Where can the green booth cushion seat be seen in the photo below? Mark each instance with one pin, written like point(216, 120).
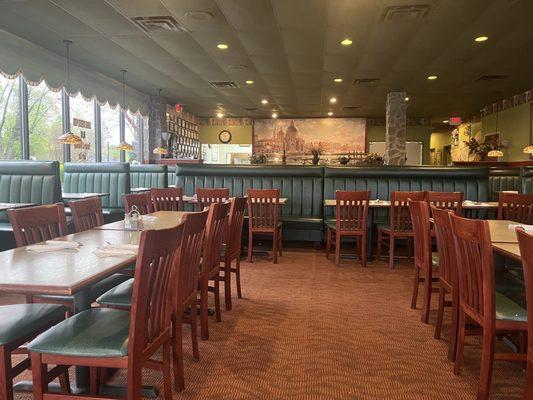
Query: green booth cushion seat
point(119, 296)
point(508, 310)
point(97, 332)
point(22, 320)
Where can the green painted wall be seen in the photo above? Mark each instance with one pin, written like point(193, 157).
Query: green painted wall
point(514, 124)
point(241, 134)
point(414, 134)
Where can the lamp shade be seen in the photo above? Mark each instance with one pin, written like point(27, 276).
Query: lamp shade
point(125, 146)
point(160, 151)
point(495, 153)
point(69, 138)
point(528, 149)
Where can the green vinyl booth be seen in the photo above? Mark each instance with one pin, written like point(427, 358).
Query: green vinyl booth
point(501, 179)
point(526, 180)
point(171, 174)
point(112, 178)
point(26, 182)
point(148, 176)
point(302, 186)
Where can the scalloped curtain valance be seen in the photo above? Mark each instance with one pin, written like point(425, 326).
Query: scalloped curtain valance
point(21, 57)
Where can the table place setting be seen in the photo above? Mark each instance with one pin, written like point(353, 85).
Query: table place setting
point(527, 228)
point(54, 245)
point(117, 250)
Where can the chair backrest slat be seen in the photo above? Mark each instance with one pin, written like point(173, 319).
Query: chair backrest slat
point(143, 202)
point(445, 246)
point(206, 197)
point(351, 210)
point(167, 199)
point(235, 223)
point(263, 208)
point(516, 207)
point(36, 224)
point(400, 216)
point(422, 234)
point(87, 214)
point(214, 236)
point(446, 201)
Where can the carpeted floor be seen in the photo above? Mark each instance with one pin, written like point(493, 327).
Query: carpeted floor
point(308, 330)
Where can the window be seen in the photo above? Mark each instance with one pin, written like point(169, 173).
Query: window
point(110, 133)
point(82, 124)
point(10, 148)
point(133, 136)
point(45, 123)
point(145, 138)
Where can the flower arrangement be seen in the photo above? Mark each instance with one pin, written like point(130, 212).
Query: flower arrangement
point(371, 160)
point(481, 149)
point(260, 158)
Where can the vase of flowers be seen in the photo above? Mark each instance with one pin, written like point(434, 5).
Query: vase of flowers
point(371, 160)
point(316, 152)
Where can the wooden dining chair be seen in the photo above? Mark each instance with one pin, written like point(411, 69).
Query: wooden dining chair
point(210, 268)
point(351, 215)
point(479, 302)
point(525, 242)
point(400, 225)
point(425, 271)
point(516, 207)
point(448, 286)
point(446, 201)
point(109, 338)
point(263, 219)
point(143, 202)
point(20, 323)
point(232, 248)
point(167, 199)
point(186, 284)
point(205, 197)
point(87, 214)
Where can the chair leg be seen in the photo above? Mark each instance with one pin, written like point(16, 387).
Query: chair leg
point(39, 372)
point(194, 334)
point(528, 387)
point(454, 329)
point(134, 383)
point(177, 351)
point(250, 245)
point(64, 382)
point(363, 251)
point(275, 246)
point(427, 296)
point(409, 249)
point(204, 323)
point(440, 312)
point(238, 277)
point(378, 250)
point(217, 301)
point(391, 251)
point(167, 379)
point(460, 344)
point(6, 380)
point(337, 249)
point(227, 284)
point(487, 360)
point(93, 381)
point(328, 242)
point(280, 241)
point(414, 297)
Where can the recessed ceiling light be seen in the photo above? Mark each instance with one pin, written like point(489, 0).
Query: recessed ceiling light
point(406, 99)
point(432, 77)
point(249, 82)
point(264, 101)
point(220, 115)
point(337, 80)
point(346, 42)
point(446, 121)
point(480, 39)
point(274, 115)
point(333, 100)
point(222, 46)
point(330, 113)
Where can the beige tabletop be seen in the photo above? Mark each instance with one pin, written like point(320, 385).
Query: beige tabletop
point(156, 220)
point(501, 232)
point(63, 272)
point(373, 203)
point(511, 250)
point(139, 190)
point(194, 200)
point(469, 205)
point(10, 206)
point(82, 196)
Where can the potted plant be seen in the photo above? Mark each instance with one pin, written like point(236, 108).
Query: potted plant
point(316, 151)
point(371, 160)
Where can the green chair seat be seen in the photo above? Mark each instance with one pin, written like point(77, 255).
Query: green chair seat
point(22, 320)
point(119, 296)
point(97, 332)
point(507, 309)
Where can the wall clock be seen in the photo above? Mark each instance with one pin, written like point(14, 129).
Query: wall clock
point(224, 136)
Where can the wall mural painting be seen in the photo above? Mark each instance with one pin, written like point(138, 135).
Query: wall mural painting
point(299, 137)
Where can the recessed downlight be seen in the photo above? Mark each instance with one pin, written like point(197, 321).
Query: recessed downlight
point(264, 101)
point(481, 39)
point(432, 77)
point(333, 100)
point(337, 80)
point(446, 121)
point(330, 113)
point(249, 82)
point(222, 46)
point(274, 115)
point(220, 115)
point(346, 42)
point(406, 98)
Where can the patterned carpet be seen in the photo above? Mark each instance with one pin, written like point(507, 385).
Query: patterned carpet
point(308, 330)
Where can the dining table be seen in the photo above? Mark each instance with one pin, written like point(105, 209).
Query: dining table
point(82, 196)
point(11, 206)
point(155, 220)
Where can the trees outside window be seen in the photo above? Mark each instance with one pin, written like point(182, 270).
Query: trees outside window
point(10, 148)
point(110, 133)
point(133, 136)
point(82, 124)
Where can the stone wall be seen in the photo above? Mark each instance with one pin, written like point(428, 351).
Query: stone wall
point(395, 135)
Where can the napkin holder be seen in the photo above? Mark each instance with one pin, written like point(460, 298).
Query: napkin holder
point(133, 220)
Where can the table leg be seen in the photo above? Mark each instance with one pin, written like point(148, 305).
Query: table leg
point(82, 302)
point(370, 234)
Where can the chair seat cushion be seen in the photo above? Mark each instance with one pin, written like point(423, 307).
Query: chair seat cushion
point(18, 321)
point(119, 296)
point(5, 226)
point(508, 310)
point(97, 332)
point(301, 223)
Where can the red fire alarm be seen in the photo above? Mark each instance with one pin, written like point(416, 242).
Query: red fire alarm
point(456, 120)
point(178, 107)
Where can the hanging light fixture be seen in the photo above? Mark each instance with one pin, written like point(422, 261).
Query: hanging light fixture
point(528, 149)
point(495, 153)
point(162, 151)
point(124, 146)
point(68, 137)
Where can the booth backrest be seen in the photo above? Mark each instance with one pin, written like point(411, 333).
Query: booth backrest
point(29, 182)
point(171, 174)
point(503, 179)
point(148, 176)
point(112, 178)
point(526, 180)
point(303, 186)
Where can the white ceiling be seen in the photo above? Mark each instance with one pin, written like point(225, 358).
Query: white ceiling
point(291, 49)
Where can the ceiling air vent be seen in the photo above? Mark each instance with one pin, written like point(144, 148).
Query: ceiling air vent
point(250, 109)
point(490, 78)
point(405, 13)
point(362, 81)
point(223, 85)
point(164, 23)
point(350, 108)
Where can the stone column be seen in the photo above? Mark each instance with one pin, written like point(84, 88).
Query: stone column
point(156, 124)
point(395, 132)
